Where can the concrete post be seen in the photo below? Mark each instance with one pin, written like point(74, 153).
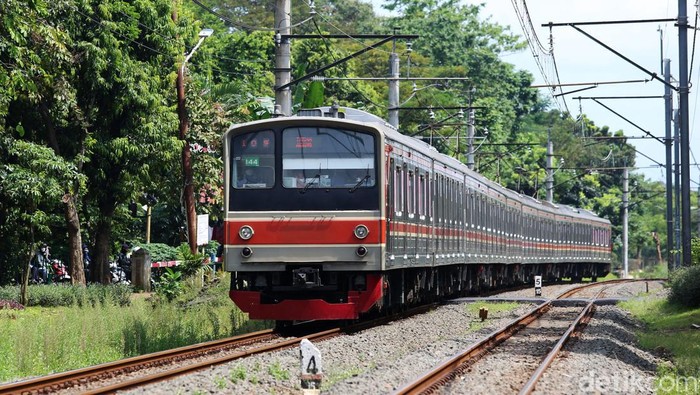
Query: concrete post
point(141, 270)
point(283, 67)
point(394, 90)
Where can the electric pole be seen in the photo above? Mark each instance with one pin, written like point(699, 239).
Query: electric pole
point(625, 221)
point(283, 67)
point(394, 88)
point(549, 182)
point(683, 89)
point(669, 159)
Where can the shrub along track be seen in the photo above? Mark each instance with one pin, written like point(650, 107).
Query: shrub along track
point(509, 357)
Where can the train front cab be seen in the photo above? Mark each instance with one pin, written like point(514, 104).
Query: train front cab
point(304, 239)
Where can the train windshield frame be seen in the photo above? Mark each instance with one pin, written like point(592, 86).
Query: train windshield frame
point(304, 167)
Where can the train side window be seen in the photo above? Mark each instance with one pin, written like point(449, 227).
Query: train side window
point(398, 190)
point(410, 194)
point(422, 192)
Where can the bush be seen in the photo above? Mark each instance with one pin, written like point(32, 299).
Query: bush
point(53, 296)
point(685, 286)
point(160, 252)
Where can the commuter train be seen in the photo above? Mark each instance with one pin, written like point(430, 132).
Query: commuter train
point(332, 214)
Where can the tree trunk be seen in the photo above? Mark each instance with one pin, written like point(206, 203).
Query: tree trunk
point(658, 245)
point(75, 245)
point(103, 235)
point(24, 286)
point(75, 242)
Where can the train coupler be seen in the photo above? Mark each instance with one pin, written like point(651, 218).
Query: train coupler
point(307, 277)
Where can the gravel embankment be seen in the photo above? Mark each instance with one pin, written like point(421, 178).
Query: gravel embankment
point(603, 360)
point(377, 361)
point(383, 359)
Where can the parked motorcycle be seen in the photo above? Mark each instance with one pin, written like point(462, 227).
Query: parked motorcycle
point(117, 274)
point(59, 271)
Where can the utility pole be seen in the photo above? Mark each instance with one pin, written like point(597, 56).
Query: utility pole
point(669, 165)
point(470, 139)
point(283, 65)
point(549, 182)
point(470, 132)
point(677, 190)
point(625, 221)
point(394, 88)
point(685, 135)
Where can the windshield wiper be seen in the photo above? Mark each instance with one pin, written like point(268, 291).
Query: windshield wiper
point(364, 179)
point(311, 182)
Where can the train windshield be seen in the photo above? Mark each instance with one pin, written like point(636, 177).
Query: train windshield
point(322, 157)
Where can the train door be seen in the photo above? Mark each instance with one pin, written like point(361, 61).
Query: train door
point(398, 224)
point(423, 198)
point(440, 214)
point(411, 217)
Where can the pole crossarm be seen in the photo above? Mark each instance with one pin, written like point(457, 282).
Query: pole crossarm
point(630, 122)
point(589, 83)
point(551, 24)
point(320, 78)
point(616, 97)
point(337, 62)
point(439, 108)
point(352, 36)
point(616, 138)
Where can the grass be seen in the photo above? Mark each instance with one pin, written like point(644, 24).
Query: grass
point(668, 331)
point(39, 340)
point(656, 271)
point(492, 307)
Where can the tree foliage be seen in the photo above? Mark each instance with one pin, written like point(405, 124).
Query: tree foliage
point(88, 117)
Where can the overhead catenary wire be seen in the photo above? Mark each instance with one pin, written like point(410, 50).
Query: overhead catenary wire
point(540, 54)
point(243, 25)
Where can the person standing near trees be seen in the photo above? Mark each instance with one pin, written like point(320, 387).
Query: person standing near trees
point(40, 264)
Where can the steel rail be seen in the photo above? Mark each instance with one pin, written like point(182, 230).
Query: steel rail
point(75, 377)
point(585, 315)
point(141, 381)
point(446, 371)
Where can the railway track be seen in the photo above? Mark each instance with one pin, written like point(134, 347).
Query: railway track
point(92, 376)
point(114, 376)
point(445, 373)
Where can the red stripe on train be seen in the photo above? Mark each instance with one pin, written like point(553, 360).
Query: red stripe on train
point(305, 231)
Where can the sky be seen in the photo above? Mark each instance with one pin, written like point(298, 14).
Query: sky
point(579, 59)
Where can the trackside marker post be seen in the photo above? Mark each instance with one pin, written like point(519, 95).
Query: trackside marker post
point(538, 285)
point(311, 367)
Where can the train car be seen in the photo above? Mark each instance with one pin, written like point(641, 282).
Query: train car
point(333, 214)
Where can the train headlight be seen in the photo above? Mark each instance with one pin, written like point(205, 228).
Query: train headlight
point(246, 232)
point(361, 251)
point(361, 231)
point(246, 252)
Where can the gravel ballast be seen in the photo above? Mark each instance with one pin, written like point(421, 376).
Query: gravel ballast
point(381, 360)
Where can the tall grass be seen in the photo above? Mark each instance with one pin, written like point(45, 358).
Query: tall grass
point(668, 330)
point(40, 340)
